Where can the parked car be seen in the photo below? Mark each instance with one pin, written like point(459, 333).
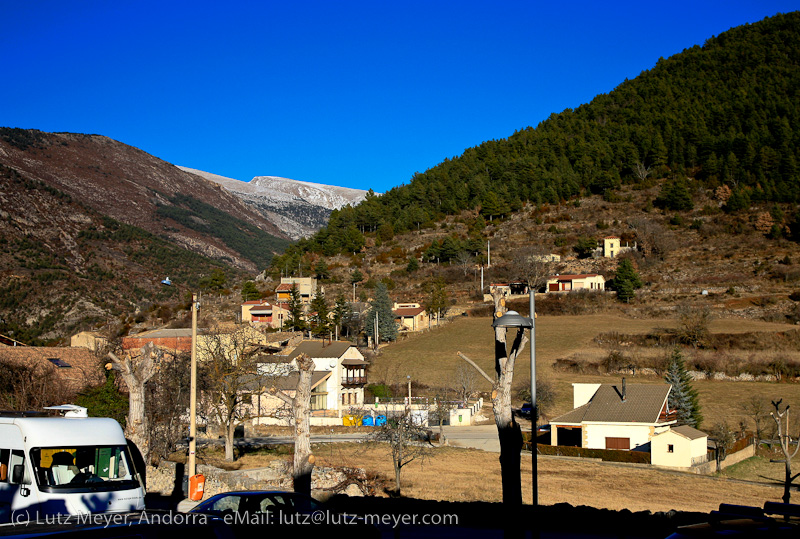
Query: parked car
point(248, 511)
point(526, 410)
point(257, 502)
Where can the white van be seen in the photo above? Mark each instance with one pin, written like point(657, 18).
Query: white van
point(64, 465)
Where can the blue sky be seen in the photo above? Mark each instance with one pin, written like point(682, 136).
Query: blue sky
point(357, 94)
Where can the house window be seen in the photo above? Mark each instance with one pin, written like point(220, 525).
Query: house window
point(59, 362)
point(618, 443)
point(670, 448)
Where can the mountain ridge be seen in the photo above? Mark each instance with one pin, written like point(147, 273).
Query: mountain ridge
point(299, 208)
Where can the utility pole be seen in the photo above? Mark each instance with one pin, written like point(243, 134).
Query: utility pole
point(193, 393)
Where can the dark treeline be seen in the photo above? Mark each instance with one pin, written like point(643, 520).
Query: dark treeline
point(725, 113)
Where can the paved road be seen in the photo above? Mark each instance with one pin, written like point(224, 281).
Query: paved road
point(482, 437)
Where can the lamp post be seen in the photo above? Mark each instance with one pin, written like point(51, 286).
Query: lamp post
point(512, 319)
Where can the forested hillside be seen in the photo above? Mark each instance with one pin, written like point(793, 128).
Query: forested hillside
point(725, 114)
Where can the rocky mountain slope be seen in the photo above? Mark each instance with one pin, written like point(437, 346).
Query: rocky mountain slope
point(135, 188)
point(89, 227)
point(298, 208)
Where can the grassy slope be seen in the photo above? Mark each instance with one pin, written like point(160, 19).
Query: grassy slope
point(430, 358)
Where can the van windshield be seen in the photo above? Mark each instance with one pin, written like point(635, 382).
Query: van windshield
point(83, 468)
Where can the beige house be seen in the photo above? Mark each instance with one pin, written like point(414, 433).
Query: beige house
point(614, 416)
point(572, 283)
point(679, 447)
point(306, 286)
point(612, 247)
point(89, 340)
point(263, 312)
point(410, 316)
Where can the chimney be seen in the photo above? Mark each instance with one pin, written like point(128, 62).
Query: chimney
point(623, 389)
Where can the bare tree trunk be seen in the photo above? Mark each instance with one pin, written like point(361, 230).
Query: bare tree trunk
point(301, 408)
point(229, 432)
point(135, 372)
point(508, 430)
point(785, 440)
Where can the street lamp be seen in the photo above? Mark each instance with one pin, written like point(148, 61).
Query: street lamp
point(512, 319)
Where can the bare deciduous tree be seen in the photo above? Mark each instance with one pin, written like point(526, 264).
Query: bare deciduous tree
point(228, 375)
point(693, 324)
point(786, 443)
point(136, 371)
point(641, 171)
point(465, 261)
point(508, 429)
point(757, 409)
point(170, 388)
point(533, 264)
point(31, 387)
point(654, 240)
point(465, 382)
point(303, 463)
point(408, 441)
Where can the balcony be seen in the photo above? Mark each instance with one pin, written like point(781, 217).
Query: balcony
point(354, 380)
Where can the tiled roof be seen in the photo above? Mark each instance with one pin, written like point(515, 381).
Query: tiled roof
point(84, 368)
point(163, 334)
point(643, 404)
point(573, 277)
point(320, 349)
point(284, 286)
point(409, 311)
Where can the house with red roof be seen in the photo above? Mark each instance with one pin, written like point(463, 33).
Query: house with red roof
point(263, 312)
point(574, 282)
point(411, 316)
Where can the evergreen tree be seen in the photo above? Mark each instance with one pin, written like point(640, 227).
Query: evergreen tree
point(682, 396)
point(413, 265)
point(250, 291)
point(585, 246)
point(342, 311)
point(437, 301)
point(675, 196)
point(356, 276)
point(321, 269)
point(381, 307)
point(320, 323)
point(295, 321)
point(626, 281)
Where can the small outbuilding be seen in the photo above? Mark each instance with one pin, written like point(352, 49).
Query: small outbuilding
point(679, 447)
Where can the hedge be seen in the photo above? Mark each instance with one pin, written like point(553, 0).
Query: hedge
point(609, 455)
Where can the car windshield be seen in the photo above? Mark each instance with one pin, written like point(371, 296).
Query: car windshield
point(83, 467)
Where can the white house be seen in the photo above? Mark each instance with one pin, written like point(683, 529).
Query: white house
point(573, 282)
point(613, 416)
point(338, 381)
point(679, 447)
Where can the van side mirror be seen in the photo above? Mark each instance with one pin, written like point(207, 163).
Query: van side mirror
point(18, 475)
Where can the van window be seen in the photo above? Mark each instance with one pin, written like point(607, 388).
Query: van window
point(92, 467)
point(4, 454)
point(18, 472)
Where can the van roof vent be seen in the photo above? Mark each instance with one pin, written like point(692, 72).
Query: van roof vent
point(70, 410)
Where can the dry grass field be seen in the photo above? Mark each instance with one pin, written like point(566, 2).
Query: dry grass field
point(430, 358)
point(455, 474)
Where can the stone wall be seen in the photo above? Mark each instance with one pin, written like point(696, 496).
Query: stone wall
point(277, 476)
